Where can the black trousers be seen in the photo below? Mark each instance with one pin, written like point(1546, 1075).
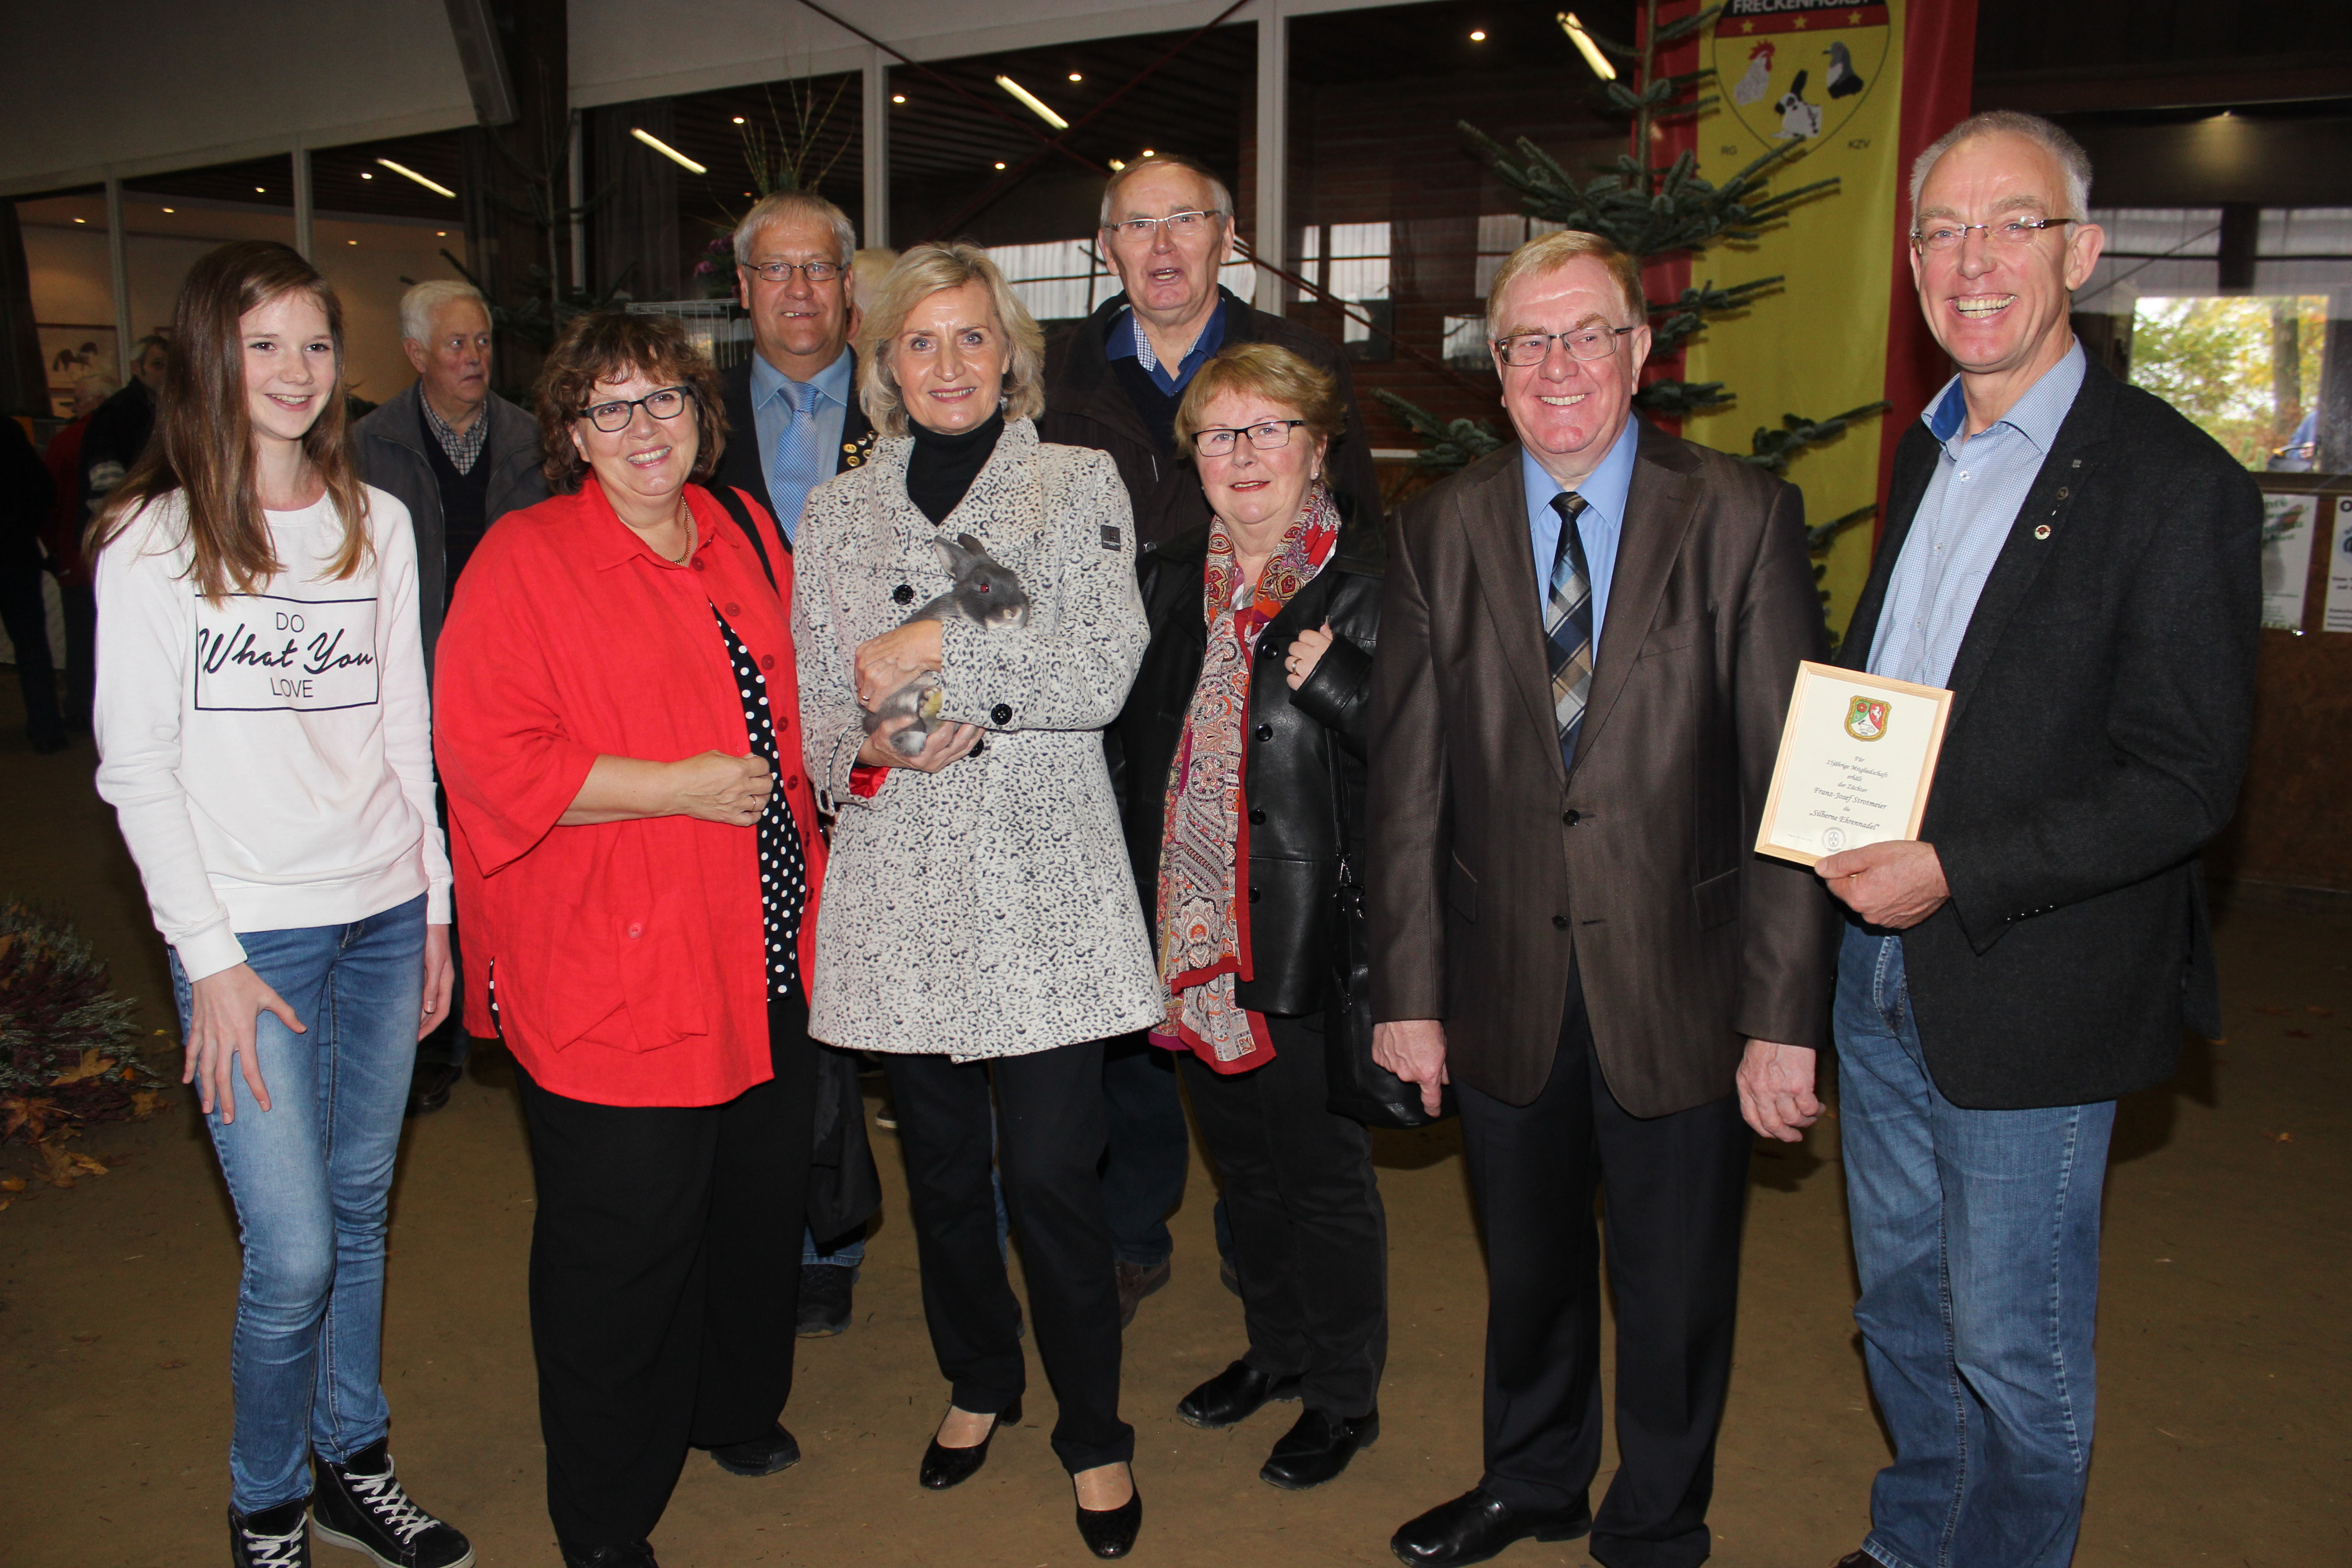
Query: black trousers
point(1674, 1190)
point(26, 616)
point(665, 1283)
point(79, 602)
point(1048, 1146)
point(1310, 1237)
point(1146, 1150)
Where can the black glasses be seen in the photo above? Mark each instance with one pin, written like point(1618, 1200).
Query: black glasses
point(2019, 231)
point(781, 272)
point(613, 418)
point(1264, 437)
point(1524, 349)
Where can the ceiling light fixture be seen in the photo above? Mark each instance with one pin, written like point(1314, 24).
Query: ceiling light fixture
point(365, 175)
point(437, 188)
point(666, 151)
point(81, 220)
point(1147, 152)
point(1077, 77)
point(1479, 37)
point(1036, 105)
point(171, 209)
point(999, 163)
point(738, 120)
point(898, 98)
point(440, 233)
point(260, 191)
point(351, 242)
point(1116, 164)
point(1586, 46)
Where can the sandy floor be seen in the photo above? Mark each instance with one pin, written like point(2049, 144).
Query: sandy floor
point(2222, 1438)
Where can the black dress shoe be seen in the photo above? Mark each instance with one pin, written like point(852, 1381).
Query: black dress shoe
point(1111, 1532)
point(1475, 1527)
point(1137, 1281)
point(1317, 1448)
point(1859, 1560)
point(763, 1455)
point(428, 1090)
point(944, 1468)
point(824, 1300)
point(630, 1554)
point(1234, 1394)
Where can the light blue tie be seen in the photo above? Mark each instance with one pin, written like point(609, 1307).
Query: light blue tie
point(798, 466)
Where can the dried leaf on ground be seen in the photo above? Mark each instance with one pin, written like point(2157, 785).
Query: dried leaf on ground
point(84, 1162)
point(13, 1184)
point(60, 1165)
point(92, 1065)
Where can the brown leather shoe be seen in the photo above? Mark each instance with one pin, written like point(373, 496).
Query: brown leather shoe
point(1137, 1281)
point(1859, 1560)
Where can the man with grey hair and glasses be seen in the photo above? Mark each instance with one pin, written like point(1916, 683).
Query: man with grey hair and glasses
point(1112, 382)
point(2080, 566)
point(792, 415)
point(459, 457)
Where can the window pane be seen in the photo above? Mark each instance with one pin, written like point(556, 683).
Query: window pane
point(2246, 370)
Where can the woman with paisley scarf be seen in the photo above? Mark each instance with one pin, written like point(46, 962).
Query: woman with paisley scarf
point(1240, 765)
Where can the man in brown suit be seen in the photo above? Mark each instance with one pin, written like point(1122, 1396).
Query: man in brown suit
point(1587, 647)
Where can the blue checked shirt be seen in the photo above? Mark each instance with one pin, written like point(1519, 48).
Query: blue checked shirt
point(1600, 525)
point(1963, 519)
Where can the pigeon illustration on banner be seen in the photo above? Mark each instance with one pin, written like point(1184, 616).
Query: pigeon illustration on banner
point(1844, 81)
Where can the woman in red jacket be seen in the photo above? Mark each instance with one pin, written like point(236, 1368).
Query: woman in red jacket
point(638, 880)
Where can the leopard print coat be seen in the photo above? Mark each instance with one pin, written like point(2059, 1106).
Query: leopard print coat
point(986, 909)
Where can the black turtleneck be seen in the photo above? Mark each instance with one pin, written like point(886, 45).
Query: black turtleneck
point(943, 465)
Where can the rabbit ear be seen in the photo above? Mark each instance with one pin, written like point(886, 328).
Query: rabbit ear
point(968, 542)
point(949, 556)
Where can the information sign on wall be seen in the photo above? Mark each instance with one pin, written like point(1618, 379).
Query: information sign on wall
point(2288, 524)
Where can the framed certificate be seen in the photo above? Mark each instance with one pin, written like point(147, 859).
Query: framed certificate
point(1857, 758)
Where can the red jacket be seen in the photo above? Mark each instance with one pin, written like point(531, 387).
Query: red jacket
point(628, 956)
point(66, 519)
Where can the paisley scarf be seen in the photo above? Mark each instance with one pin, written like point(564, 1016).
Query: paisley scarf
point(1204, 924)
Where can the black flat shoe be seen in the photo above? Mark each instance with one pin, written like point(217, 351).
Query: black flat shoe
point(629, 1555)
point(1234, 1394)
point(1475, 1527)
point(1317, 1448)
point(1111, 1532)
point(944, 1468)
point(760, 1457)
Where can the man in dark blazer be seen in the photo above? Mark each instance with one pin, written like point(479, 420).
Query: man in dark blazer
point(792, 415)
point(793, 422)
point(459, 458)
point(2080, 566)
point(1586, 648)
point(1113, 383)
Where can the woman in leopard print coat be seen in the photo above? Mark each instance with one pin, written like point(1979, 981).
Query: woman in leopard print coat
point(979, 921)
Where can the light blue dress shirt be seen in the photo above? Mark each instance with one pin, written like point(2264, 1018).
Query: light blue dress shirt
point(1963, 519)
point(772, 402)
point(1601, 524)
point(1127, 342)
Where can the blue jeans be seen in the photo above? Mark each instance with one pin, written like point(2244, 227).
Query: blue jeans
point(310, 1178)
point(848, 1252)
point(1977, 1235)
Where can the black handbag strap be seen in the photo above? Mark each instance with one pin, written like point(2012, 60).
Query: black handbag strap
point(738, 508)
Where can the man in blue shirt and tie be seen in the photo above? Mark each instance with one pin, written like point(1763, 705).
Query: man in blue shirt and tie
point(793, 419)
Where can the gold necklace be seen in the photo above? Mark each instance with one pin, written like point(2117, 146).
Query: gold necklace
point(686, 521)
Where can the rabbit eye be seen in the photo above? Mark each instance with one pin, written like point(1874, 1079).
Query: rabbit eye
point(983, 587)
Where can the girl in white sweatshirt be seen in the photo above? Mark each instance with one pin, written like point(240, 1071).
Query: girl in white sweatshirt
point(264, 741)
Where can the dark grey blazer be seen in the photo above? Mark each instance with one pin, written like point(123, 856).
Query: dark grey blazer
point(1492, 875)
point(389, 446)
point(2103, 701)
point(739, 459)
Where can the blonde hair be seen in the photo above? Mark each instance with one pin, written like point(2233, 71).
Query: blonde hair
point(1551, 252)
point(1272, 371)
point(922, 272)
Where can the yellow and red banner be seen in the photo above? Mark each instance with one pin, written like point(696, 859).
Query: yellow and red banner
point(1861, 89)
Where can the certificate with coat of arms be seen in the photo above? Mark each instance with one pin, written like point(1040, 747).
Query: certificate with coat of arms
point(1857, 759)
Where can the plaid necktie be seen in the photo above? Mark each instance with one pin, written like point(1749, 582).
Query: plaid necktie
point(798, 466)
point(1568, 626)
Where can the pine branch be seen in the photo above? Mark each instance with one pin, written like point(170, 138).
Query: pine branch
point(1771, 449)
point(1451, 444)
point(1681, 399)
point(1818, 538)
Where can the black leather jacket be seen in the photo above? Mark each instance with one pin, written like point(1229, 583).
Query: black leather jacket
point(1303, 781)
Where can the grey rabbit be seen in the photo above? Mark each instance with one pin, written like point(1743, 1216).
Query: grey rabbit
point(989, 594)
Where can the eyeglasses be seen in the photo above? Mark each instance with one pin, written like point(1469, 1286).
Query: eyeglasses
point(1526, 349)
point(614, 417)
point(1266, 438)
point(1180, 225)
point(781, 272)
point(2015, 231)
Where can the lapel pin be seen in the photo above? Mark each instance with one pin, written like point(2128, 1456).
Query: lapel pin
point(2042, 532)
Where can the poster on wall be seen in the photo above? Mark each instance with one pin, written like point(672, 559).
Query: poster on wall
point(2340, 570)
point(2288, 523)
point(71, 354)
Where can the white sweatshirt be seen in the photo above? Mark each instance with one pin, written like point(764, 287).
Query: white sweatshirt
point(269, 757)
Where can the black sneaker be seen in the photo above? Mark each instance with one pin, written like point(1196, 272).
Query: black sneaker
point(273, 1537)
point(361, 1506)
point(824, 1300)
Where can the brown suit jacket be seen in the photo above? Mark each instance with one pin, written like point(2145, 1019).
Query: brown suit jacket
point(1492, 875)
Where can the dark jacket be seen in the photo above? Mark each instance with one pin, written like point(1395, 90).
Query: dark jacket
point(2103, 700)
point(117, 433)
point(389, 446)
point(28, 496)
point(1495, 876)
point(739, 460)
point(1304, 777)
point(1087, 406)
